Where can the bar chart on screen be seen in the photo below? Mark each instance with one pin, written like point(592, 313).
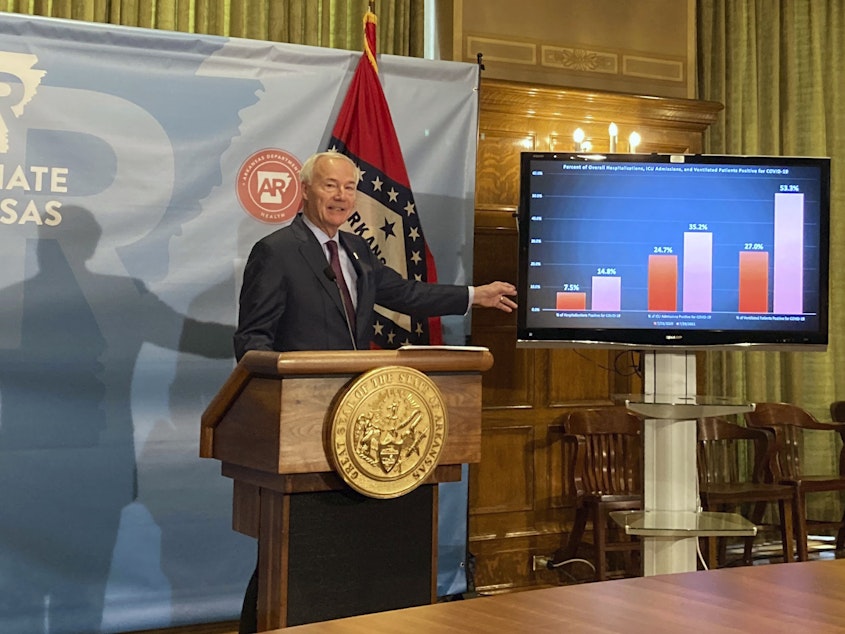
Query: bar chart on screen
point(727, 265)
point(680, 250)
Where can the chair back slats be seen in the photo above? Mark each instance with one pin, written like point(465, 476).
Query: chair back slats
point(609, 451)
point(608, 469)
point(728, 453)
point(735, 471)
point(788, 423)
point(789, 451)
point(718, 462)
point(605, 475)
point(837, 415)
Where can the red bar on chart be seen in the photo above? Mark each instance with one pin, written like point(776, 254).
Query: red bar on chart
point(607, 293)
point(697, 290)
point(753, 281)
point(571, 301)
point(788, 270)
point(663, 282)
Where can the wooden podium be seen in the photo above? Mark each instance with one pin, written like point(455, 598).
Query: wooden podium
point(267, 427)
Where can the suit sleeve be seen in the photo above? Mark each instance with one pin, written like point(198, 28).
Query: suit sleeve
point(419, 298)
point(262, 301)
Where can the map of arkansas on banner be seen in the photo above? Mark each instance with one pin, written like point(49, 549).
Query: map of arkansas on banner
point(137, 168)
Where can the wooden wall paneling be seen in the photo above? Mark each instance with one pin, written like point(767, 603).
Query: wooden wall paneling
point(627, 376)
point(523, 509)
point(512, 380)
point(497, 168)
point(554, 113)
point(558, 457)
point(653, 139)
point(508, 451)
point(496, 252)
point(502, 565)
point(509, 382)
point(520, 504)
point(582, 376)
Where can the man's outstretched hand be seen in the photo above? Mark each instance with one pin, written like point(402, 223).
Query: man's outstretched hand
point(495, 295)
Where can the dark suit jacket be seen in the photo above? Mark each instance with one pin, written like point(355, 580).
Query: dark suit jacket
point(289, 303)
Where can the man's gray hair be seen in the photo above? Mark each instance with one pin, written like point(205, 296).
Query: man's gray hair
point(307, 171)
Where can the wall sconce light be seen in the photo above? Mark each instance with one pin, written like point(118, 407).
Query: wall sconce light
point(583, 144)
point(578, 136)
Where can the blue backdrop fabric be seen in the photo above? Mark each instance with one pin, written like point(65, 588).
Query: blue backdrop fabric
point(122, 244)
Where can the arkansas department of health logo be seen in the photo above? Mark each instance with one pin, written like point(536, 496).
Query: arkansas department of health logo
point(268, 186)
point(387, 431)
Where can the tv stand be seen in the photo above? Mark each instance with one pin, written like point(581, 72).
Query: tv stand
point(672, 521)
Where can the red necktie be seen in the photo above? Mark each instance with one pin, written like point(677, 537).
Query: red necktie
point(334, 260)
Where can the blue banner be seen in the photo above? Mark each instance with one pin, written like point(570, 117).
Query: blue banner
point(137, 168)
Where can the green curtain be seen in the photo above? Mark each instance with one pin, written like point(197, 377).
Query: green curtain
point(777, 68)
point(329, 23)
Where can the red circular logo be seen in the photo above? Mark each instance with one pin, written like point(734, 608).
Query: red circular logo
point(268, 186)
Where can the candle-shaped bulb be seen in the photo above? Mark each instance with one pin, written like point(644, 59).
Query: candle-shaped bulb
point(613, 131)
point(578, 136)
point(633, 141)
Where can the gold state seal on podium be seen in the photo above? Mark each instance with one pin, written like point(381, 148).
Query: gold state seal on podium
point(387, 431)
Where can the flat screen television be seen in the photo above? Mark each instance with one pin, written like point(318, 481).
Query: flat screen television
point(661, 251)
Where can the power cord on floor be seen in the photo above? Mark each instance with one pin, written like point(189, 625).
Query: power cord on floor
point(699, 509)
point(554, 565)
point(559, 567)
point(700, 554)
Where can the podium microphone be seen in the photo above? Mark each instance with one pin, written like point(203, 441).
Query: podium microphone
point(329, 273)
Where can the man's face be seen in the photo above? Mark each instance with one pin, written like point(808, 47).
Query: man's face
point(330, 196)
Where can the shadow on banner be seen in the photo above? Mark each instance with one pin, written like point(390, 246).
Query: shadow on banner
point(67, 455)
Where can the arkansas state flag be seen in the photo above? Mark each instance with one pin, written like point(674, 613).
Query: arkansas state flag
point(387, 216)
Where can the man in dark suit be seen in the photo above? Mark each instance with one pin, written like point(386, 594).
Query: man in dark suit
point(293, 294)
point(291, 299)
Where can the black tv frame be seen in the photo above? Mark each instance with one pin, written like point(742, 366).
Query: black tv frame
point(534, 323)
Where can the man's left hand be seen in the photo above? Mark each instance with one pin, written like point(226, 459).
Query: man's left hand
point(496, 295)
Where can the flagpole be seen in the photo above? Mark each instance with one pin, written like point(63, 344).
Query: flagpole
point(364, 130)
point(478, 57)
point(479, 60)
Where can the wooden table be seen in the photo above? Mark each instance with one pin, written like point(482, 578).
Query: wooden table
point(793, 598)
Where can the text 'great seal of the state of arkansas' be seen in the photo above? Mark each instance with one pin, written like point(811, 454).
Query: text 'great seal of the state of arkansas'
point(387, 431)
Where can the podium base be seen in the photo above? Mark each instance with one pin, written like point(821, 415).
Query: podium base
point(350, 554)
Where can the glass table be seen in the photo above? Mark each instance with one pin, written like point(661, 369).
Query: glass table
point(672, 519)
point(679, 407)
point(683, 524)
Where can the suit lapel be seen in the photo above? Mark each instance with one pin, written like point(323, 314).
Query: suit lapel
point(312, 252)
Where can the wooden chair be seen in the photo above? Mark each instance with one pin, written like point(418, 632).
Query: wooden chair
point(605, 475)
point(788, 423)
point(724, 487)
